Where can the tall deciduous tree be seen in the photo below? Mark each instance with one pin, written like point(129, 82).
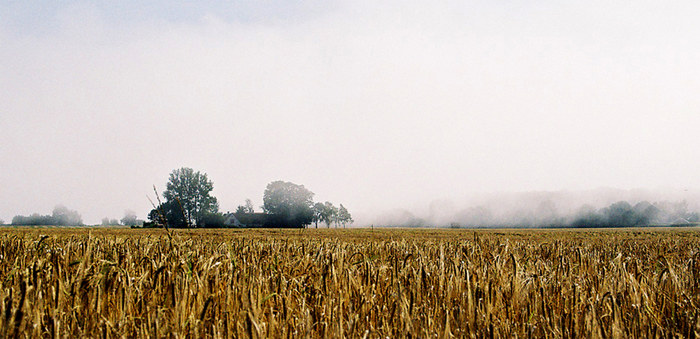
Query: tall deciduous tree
point(318, 210)
point(290, 202)
point(247, 208)
point(330, 214)
point(344, 216)
point(130, 218)
point(188, 197)
point(66, 217)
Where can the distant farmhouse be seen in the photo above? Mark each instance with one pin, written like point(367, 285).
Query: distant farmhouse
point(252, 220)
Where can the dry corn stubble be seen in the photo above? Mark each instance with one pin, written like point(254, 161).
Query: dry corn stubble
point(349, 283)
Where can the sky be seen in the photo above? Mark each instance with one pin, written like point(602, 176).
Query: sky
point(376, 105)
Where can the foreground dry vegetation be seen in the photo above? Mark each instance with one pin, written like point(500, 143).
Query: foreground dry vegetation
point(354, 283)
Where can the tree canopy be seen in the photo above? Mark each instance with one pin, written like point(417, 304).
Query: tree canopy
point(247, 208)
point(319, 210)
point(291, 203)
point(344, 216)
point(130, 219)
point(188, 199)
point(329, 214)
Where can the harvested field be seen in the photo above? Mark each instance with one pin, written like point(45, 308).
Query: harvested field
point(349, 283)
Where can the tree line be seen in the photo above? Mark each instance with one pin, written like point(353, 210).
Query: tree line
point(329, 214)
point(61, 216)
point(623, 214)
point(618, 214)
point(129, 219)
point(188, 202)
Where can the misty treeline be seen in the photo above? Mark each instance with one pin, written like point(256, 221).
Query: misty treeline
point(623, 214)
point(546, 214)
point(61, 216)
point(293, 206)
point(129, 219)
point(329, 214)
point(188, 202)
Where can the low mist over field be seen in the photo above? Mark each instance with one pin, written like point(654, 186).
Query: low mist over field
point(549, 209)
point(407, 112)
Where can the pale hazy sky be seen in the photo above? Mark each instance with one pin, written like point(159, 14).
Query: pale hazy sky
point(376, 105)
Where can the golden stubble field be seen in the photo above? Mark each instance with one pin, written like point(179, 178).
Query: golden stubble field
point(106, 283)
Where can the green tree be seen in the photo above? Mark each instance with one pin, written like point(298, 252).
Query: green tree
point(247, 208)
point(65, 217)
point(290, 202)
point(130, 219)
point(188, 199)
point(344, 216)
point(318, 210)
point(168, 213)
point(330, 214)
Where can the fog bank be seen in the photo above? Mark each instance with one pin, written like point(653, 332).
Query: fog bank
point(546, 209)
